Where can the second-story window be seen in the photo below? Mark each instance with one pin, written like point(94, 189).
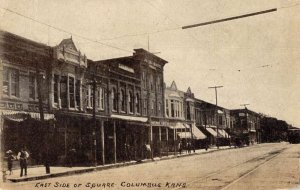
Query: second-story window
point(100, 98)
point(55, 88)
point(167, 107)
point(77, 93)
point(137, 103)
point(63, 91)
point(145, 106)
point(144, 79)
point(123, 100)
point(72, 92)
point(151, 82)
point(32, 86)
point(10, 82)
point(172, 108)
point(130, 102)
point(114, 99)
point(89, 97)
point(158, 84)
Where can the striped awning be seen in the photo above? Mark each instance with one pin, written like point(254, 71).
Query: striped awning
point(184, 135)
point(19, 116)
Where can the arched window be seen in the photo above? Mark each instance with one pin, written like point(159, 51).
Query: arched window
point(131, 102)
point(114, 99)
point(123, 100)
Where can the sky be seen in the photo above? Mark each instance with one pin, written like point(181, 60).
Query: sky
point(255, 59)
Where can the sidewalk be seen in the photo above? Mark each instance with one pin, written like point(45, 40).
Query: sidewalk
point(37, 173)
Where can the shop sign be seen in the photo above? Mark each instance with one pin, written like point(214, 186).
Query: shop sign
point(159, 123)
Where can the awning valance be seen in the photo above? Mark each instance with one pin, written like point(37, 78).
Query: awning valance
point(178, 125)
point(197, 133)
point(185, 135)
point(130, 118)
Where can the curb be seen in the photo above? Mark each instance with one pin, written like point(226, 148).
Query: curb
point(106, 167)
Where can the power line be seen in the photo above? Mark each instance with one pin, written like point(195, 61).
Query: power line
point(161, 12)
point(228, 19)
point(65, 31)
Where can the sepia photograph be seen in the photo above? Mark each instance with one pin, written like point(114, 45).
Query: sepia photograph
point(149, 94)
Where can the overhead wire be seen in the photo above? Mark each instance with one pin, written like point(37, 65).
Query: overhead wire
point(65, 31)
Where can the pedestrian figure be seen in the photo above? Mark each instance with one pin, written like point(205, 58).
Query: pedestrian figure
point(10, 158)
point(206, 144)
point(22, 157)
point(189, 147)
point(179, 147)
point(147, 148)
point(72, 156)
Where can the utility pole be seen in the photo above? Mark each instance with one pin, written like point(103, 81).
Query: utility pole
point(216, 112)
point(42, 118)
point(94, 88)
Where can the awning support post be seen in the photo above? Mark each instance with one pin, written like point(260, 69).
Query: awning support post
point(115, 143)
point(102, 142)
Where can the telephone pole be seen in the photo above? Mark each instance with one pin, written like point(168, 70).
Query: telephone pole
point(216, 112)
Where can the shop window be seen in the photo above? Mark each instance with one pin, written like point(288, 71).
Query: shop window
point(32, 85)
point(55, 88)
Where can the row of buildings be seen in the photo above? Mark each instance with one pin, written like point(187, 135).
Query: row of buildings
point(55, 99)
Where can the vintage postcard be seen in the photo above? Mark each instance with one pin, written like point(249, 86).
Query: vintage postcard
point(149, 94)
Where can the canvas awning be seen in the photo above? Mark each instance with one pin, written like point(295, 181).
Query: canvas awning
point(212, 132)
point(197, 133)
point(130, 118)
point(223, 133)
